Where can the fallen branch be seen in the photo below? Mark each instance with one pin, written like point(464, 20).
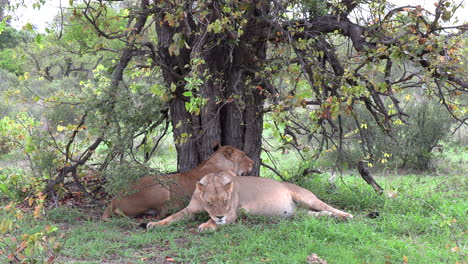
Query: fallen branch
point(64, 171)
point(366, 175)
point(310, 171)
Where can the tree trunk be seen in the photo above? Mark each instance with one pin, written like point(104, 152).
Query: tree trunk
point(233, 110)
point(173, 72)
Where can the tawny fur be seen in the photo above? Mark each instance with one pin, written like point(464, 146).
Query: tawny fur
point(156, 194)
point(222, 195)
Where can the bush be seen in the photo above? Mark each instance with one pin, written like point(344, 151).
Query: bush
point(14, 184)
point(411, 145)
point(32, 157)
point(22, 240)
point(429, 126)
point(10, 61)
point(121, 176)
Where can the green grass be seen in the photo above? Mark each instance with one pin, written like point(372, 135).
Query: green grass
point(424, 223)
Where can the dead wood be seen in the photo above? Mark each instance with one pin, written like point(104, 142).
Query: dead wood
point(366, 175)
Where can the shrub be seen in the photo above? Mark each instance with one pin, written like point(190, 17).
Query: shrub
point(121, 176)
point(430, 124)
point(14, 184)
point(22, 241)
point(410, 145)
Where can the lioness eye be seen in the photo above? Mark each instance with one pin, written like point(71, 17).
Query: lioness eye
point(224, 201)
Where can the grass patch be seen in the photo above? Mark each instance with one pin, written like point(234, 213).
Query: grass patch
point(65, 215)
point(424, 223)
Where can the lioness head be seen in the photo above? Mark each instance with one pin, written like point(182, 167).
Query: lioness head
point(230, 158)
point(215, 195)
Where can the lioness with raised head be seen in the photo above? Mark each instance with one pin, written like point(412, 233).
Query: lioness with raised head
point(155, 194)
point(222, 195)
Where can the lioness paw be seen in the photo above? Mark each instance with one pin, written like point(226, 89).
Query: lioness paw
point(344, 216)
point(348, 216)
point(207, 226)
point(320, 214)
point(151, 225)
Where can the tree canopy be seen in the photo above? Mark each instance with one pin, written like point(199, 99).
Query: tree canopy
point(123, 74)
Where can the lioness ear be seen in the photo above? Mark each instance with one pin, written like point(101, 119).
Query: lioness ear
point(228, 186)
point(216, 146)
point(201, 184)
point(225, 177)
point(201, 187)
point(228, 152)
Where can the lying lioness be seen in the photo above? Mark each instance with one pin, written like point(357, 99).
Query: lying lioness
point(222, 195)
point(155, 194)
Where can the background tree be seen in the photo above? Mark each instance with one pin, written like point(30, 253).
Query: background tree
point(3, 7)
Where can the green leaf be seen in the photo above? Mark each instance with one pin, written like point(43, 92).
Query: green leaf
point(38, 39)
point(2, 26)
point(4, 189)
point(446, 15)
point(28, 27)
point(216, 27)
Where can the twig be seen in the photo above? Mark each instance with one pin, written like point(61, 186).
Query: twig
point(78, 183)
point(273, 170)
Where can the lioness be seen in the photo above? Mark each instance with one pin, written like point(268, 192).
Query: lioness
point(222, 195)
point(156, 193)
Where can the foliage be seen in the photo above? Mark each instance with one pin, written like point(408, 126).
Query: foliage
point(316, 113)
point(11, 37)
point(408, 146)
point(418, 140)
point(68, 88)
point(22, 240)
point(10, 61)
point(10, 57)
point(14, 184)
point(8, 80)
point(19, 135)
point(121, 175)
